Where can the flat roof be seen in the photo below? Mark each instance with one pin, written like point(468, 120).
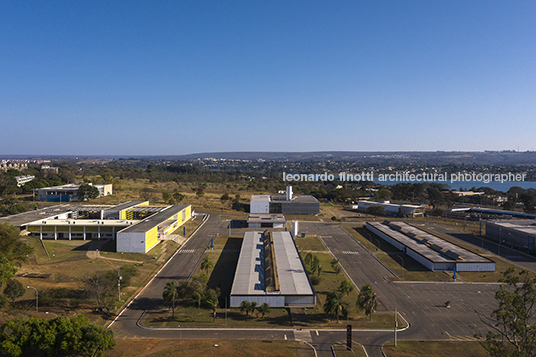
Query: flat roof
point(304, 199)
point(70, 186)
point(155, 220)
point(24, 218)
point(260, 198)
point(283, 198)
point(522, 226)
point(429, 246)
point(86, 222)
point(390, 204)
point(266, 217)
point(249, 276)
point(125, 205)
point(147, 209)
point(290, 271)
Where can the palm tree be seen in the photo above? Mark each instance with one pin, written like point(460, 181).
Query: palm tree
point(213, 304)
point(367, 300)
point(198, 296)
point(206, 264)
point(335, 266)
point(346, 287)
point(335, 304)
point(245, 306)
point(171, 294)
point(264, 309)
point(253, 307)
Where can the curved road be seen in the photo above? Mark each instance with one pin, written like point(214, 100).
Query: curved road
point(420, 303)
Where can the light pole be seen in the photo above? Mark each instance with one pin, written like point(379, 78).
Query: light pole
point(396, 324)
point(53, 313)
point(180, 335)
point(119, 287)
point(36, 298)
point(398, 256)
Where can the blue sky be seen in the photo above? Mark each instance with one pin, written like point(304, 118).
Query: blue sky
point(179, 77)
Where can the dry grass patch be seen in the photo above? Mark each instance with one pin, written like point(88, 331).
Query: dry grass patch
point(435, 348)
point(225, 348)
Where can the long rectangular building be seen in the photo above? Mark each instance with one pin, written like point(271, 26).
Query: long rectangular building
point(136, 225)
point(283, 283)
point(517, 234)
point(429, 250)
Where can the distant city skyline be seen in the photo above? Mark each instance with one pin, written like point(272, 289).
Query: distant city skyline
point(176, 77)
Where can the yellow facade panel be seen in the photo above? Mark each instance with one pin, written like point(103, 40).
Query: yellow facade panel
point(151, 238)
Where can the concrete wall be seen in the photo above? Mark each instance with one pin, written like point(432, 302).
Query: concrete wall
point(259, 207)
point(511, 237)
point(131, 242)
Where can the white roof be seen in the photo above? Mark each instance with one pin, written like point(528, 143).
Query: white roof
point(249, 277)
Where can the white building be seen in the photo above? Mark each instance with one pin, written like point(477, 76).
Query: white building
point(68, 193)
point(392, 209)
point(286, 204)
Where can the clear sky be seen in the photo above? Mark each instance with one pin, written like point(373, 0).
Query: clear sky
point(178, 77)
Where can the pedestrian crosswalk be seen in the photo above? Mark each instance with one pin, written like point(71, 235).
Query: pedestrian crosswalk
point(349, 252)
point(187, 251)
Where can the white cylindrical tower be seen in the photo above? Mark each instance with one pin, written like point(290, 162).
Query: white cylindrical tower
point(289, 193)
point(294, 229)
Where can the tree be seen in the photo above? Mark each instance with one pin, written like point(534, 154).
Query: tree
point(253, 307)
point(212, 303)
point(166, 196)
point(178, 196)
point(206, 264)
point(335, 266)
point(346, 287)
point(367, 300)
point(308, 258)
point(103, 287)
point(11, 245)
point(61, 336)
point(198, 296)
point(435, 196)
point(171, 294)
point(335, 304)
point(245, 306)
point(513, 324)
point(14, 289)
point(7, 270)
point(264, 309)
point(376, 210)
point(87, 192)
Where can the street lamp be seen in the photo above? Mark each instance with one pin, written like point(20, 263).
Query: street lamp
point(36, 298)
point(119, 287)
point(180, 335)
point(53, 313)
point(402, 260)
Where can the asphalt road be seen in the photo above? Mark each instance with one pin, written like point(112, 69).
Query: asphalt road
point(421, 304)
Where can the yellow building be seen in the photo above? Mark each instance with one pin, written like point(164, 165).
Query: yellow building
point(136, 225)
